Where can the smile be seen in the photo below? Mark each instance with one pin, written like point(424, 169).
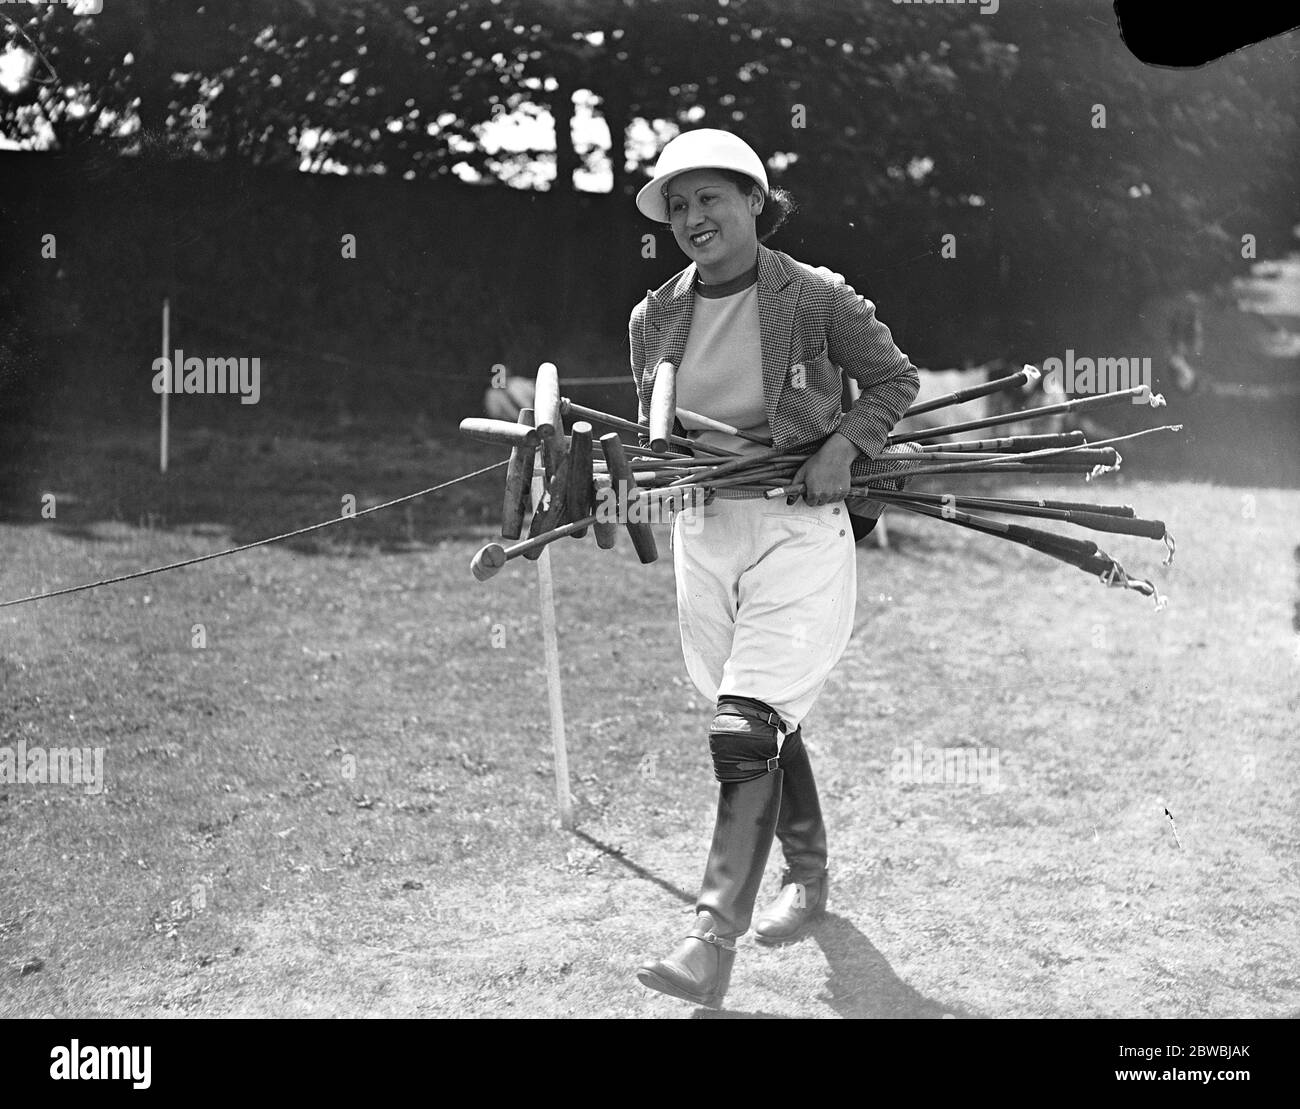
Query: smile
point(702, 237)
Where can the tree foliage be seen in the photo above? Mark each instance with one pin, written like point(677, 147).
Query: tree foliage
point(902, 122)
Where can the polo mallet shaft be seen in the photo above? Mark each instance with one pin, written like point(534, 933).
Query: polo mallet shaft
point(663, 406)
point(1084, 456)
point(1107, 509)
point(866, 487)
point(1032, 462)
point(1122, 396)
point(547, 418)
point(643, 539)
point(1060, 546)
point(635, 450)
point(774, 473)
point(572, 409)
point(499, 432)
point(941, 455)
point(580, 500)
point(710, 424)
point(1016, 380)
point(734, 465)
point(492, 557)
point(1085, 556)
point(1012, 444)
point(1080, 517)
point(519, 475)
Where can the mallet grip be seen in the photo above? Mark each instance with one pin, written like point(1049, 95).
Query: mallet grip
point(663, 406)
point(547, 418)
point(546, 398)
point(580, 499)
point(1148, 529)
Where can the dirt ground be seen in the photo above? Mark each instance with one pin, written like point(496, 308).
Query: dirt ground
point(342, 803)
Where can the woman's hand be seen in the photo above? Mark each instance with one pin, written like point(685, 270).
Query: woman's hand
point(825, 476)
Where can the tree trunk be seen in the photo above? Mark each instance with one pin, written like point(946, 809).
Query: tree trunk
point(615, 112)
point(566, 158)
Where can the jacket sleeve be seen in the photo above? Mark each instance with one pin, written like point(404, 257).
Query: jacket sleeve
point(636, 345)
point(863, 348)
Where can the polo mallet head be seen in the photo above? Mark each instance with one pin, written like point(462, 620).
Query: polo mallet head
point(491, 558)
point(518, 478)
point(499, 432)
point(488, 561)
point(552, 515)
point(663, 406)
point(620, 474)
point(547, 418)
point(606, 529)
point(580, 495)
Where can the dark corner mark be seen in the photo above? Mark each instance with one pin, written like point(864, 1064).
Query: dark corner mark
point(1186, 35)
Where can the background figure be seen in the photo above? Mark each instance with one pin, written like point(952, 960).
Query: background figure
point(1185, 336)
point(508, 401)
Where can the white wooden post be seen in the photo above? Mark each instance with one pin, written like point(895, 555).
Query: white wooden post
point(166, 353)
point(551, 652)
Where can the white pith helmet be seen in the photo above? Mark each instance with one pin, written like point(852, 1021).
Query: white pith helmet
point(704, 148)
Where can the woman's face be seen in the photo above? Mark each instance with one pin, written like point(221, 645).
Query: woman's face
point(713, 222)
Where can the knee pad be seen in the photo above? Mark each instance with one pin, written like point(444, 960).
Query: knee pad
point(744, 739)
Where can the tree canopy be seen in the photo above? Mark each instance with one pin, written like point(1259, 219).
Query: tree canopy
point(1030, 134)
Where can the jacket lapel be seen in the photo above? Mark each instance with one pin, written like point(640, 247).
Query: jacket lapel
point(778, 296)
point(668, 325)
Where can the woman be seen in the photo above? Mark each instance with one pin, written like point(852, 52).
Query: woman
point(765, 590)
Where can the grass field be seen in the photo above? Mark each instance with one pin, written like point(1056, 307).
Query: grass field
point(342, 804)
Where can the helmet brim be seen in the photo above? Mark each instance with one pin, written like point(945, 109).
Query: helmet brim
point(651, 202)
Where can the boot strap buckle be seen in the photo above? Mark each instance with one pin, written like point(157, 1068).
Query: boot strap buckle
point(719, 941)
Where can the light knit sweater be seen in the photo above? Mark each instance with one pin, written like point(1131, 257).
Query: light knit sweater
point(721, 374)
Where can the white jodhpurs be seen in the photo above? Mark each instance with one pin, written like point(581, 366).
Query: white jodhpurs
point(765, 598)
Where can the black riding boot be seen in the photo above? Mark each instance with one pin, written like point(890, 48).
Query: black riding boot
point(805, 884)
point(744, 746)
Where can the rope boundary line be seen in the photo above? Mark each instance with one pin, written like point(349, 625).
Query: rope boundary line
point(256, 543)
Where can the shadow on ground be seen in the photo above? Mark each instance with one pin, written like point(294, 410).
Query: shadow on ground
point(862, 984)
point(640, 871)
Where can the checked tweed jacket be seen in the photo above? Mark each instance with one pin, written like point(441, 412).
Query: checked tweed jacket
point(811, 327)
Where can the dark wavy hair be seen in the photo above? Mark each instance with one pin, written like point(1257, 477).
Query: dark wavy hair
point(778, 207)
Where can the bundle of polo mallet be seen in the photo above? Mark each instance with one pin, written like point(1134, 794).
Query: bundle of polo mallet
point(598, 483)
